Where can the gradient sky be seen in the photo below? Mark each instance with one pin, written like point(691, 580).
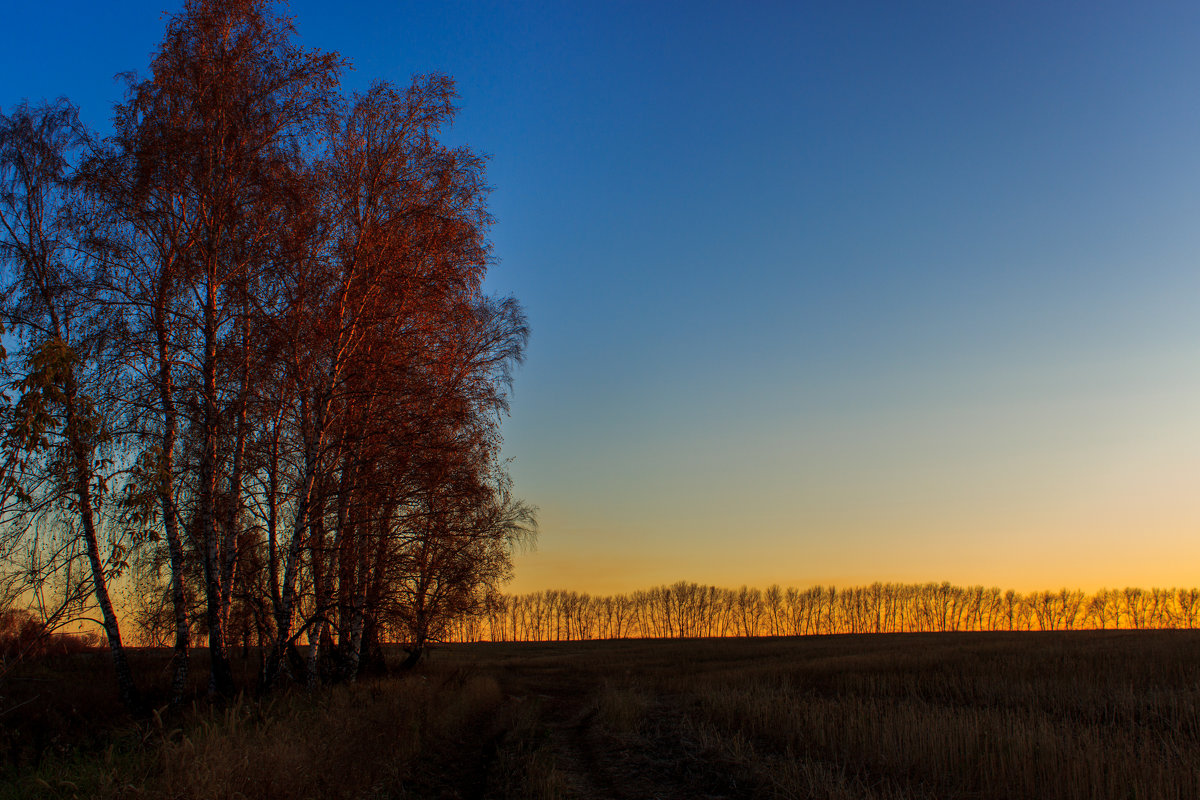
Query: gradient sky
point(820, 294)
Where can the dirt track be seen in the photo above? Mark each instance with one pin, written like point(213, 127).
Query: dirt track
point(550, 736)
point(1057, 715)
point(649, 761)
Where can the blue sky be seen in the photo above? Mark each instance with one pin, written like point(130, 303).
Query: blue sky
point(824, 293)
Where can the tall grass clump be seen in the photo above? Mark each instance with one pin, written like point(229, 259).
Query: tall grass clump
point(354, 741)
point(1035, 719)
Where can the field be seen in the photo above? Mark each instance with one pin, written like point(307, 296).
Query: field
point(969, 715)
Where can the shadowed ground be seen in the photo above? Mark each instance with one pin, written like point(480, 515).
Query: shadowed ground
point(1085, 714)
point(1047, 715)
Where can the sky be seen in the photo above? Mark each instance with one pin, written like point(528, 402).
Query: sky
point(819, 293)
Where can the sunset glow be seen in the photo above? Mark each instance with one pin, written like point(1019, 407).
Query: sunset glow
point(599, 400)
point(816, 295)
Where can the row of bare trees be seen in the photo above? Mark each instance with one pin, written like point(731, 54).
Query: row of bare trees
point(693, 610)
point(253, 373)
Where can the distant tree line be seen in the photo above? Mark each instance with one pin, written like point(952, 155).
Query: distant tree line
point(252, 372)
point(694, 610)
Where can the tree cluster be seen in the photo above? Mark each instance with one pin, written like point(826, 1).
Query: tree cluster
point(254, 373)
point(692, 610)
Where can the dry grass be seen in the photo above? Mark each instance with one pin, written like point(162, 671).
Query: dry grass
point(1057, 716)
point(621, 710)
point(1047, 715)
point(348, 742)
point(525, 766)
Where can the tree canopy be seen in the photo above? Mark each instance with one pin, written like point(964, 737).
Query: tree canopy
point(255, 371)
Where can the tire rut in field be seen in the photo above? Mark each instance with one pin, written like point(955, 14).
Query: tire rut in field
point(595, 764)
point(550, 716)
point(566, 726)
point(598, 773)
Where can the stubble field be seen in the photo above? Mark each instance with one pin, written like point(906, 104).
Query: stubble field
point(990, 715)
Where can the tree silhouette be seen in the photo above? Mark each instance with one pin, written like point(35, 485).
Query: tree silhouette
point(276, 291)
